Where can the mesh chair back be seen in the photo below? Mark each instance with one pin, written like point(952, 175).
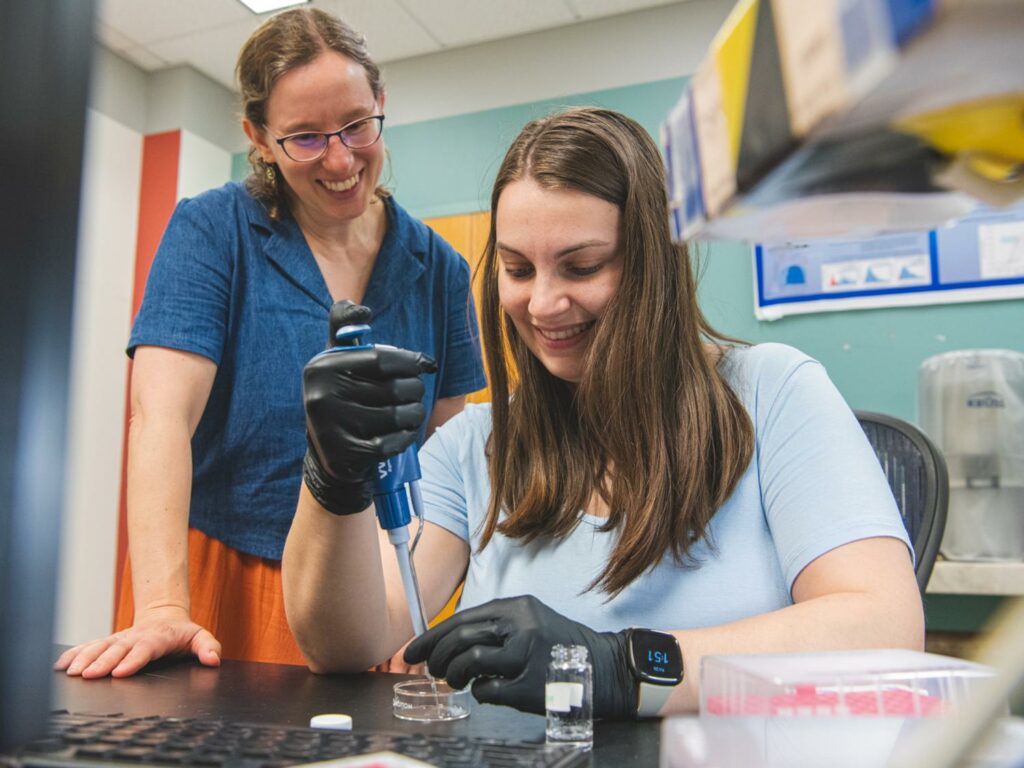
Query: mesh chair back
point(916, 472)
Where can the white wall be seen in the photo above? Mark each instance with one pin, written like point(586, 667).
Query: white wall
point(184, 98)
point(202, 165)
point(118, 89)
point(103, 295)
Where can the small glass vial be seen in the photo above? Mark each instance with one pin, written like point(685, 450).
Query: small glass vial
point(569, 697)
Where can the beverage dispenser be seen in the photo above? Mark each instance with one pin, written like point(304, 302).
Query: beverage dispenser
point(971, 403)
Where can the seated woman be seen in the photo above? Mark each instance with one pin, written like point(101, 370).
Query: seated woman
point(635, 469)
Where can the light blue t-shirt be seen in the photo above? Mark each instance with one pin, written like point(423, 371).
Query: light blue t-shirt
point(813, 484)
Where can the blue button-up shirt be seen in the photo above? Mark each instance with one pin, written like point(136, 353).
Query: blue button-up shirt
point(232, 285)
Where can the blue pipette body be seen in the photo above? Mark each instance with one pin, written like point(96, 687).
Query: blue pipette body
point(389, 494)
point(390, 497)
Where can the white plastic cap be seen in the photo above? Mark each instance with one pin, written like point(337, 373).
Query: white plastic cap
point(332, 722)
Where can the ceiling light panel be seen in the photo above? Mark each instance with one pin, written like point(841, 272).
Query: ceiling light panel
point(266, 6)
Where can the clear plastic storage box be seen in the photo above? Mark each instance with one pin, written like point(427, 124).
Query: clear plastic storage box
point(875, 683)
point(971, 403)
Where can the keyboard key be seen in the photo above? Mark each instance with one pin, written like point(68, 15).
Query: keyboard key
point(95, 750)
point(131, 753)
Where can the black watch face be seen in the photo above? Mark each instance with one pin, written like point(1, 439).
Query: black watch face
point(656, 657)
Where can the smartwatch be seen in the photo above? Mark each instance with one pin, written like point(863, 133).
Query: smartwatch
point(657, 664)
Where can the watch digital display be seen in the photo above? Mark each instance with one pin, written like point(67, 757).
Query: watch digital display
point(655, 657)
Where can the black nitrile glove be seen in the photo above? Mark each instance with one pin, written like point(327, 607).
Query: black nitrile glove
point(362, 407)
point(506, 645)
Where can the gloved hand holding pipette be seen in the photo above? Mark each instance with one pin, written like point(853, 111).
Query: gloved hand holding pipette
point(363, 412)
point(363, 406)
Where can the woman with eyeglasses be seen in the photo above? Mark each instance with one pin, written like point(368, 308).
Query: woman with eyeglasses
point(236, 302)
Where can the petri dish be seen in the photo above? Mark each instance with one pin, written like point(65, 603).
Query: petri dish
point(429, 701)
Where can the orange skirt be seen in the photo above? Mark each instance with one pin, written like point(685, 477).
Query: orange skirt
point(235, 596)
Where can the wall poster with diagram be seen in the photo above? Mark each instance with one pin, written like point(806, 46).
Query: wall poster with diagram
point(979, 258)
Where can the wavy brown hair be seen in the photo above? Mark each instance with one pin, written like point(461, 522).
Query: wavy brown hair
point(282, 43)
point(652, 428)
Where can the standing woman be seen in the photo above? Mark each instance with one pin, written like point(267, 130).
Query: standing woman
point(237, 301)
point(638, 485)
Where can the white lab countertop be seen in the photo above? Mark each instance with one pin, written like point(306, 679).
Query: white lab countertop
point(975, 578)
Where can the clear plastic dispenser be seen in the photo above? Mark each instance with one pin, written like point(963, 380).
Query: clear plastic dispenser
point(427, 700)
point(872, 683)
point(971, 403)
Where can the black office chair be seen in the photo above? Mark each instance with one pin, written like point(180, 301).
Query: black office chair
point(916, 472)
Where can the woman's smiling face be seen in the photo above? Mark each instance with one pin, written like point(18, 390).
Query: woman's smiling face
point(324, 95)
point(558, 267)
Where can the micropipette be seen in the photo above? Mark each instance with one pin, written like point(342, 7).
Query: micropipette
point(392, 504)
point(390, 497)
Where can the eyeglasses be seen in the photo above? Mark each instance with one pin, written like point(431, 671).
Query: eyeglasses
point(308, 146)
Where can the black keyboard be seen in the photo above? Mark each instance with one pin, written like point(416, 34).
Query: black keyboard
point(97, 740)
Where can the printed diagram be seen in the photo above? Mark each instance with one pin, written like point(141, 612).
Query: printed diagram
point(1001, 250)
point(872, 274)
point(979, 258)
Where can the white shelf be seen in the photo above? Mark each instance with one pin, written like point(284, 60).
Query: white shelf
point(962, 578)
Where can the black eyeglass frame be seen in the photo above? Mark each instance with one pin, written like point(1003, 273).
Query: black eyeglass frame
point(327, 137)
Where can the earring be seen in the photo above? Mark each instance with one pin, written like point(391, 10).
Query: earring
point(271, 174)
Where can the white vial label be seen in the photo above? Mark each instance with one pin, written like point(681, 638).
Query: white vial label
point(562, 697)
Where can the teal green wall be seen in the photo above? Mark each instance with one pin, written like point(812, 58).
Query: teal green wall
point(447, 166)
point(239, 166)
point(960, 613)
point(872, 355)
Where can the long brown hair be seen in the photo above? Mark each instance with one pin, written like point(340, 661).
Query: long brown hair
point(652, 427)
point(282, 43)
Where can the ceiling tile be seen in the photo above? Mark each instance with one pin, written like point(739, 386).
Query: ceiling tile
point(391, 33)
point(207, 34)
point(465, 22)
point(213, 52)
point(147, 21)
point(143, 57)
point(112, 38)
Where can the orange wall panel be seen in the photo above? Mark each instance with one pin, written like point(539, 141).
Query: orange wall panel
point(467, 234)
point(158, 194)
